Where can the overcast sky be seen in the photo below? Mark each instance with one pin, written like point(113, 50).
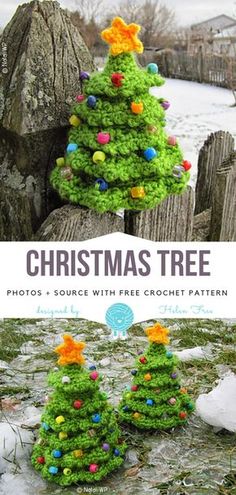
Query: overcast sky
point(187, 11)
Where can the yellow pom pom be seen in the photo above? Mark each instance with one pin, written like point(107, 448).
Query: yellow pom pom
point(60, 419)
point(78, 453)
point(136, 415)
point(99, 157)
point(74, 120)
point(60, 161)
point(138, 192)
point(128, 395)
point(147, 377)
point(137, 107)
point(183, 390)
point(62, 435)
point(67, 471)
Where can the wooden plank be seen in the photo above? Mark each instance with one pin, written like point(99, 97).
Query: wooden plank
point(216, 148)
point(228, 229)
point(172, 220)
point(72, 223)
point(218, 203)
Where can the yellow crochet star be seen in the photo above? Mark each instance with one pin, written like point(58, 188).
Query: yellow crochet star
point(157, 334)
point(122, 37)
point(70, 351)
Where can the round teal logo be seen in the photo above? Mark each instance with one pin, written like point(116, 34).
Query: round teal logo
point(119, 317)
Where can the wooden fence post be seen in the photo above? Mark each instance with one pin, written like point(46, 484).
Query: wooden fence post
point(218, 199)
point(228, 228)
point(72, 223)
point(172, 220)
point(216, 148)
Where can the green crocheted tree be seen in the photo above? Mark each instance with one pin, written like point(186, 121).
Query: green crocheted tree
point(119, 155)
point(79, 440)
point(156, 399)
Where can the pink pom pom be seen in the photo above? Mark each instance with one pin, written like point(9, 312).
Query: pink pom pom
point(94, 375)
point(93, 468)
point(80, 98)
point(172, 140)
point(103, 137)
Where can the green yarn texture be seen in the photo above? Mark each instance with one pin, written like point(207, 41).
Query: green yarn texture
point(81, 432)
point(160, 389)
point(125, 166)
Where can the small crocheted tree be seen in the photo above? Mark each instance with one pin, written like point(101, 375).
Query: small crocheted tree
point(79, 440)
point(156, 400)
point(119, 155)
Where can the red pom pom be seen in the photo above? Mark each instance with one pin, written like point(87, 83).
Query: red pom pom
point(134, 388)
point(78, 404)
point(187, 165)
point(116, 79)
point(143, 360)
point(41, 460)
point(183, 415)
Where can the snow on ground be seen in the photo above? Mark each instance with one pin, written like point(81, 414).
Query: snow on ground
point(196, 111)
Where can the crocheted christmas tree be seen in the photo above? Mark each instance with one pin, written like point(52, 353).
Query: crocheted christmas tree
point(119, 155)
point(156, 399)
point(79, 439)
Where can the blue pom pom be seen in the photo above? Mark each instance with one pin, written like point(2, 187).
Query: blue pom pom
point(53, 470)
point(149, 402)
point(125, 408)
point(150, 153)
point(92, 367)
point(133, 372)
point(116, 452)
point(96, 418)
point(56, 453)
point(169, 354)
point(91, 101)
point(45, 426)
point(103, 185)
point(71, 147)
point(152, 68)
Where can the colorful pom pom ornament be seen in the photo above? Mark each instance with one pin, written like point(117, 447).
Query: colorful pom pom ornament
point(91, 101)
point(103, 137)
point(138, 192)
point(99, 157)
point(71, 147)
point(137, 107)
point(103, 185)
point(150, 154)
point(84, 76)
point(117, 79)
point(152, 68)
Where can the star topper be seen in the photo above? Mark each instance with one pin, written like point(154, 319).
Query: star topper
point(157, 334)
point(70, 351)
point(122, 37)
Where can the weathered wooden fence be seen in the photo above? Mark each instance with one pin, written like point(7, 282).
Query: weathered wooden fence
point(218, 70)
point(174, 219)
